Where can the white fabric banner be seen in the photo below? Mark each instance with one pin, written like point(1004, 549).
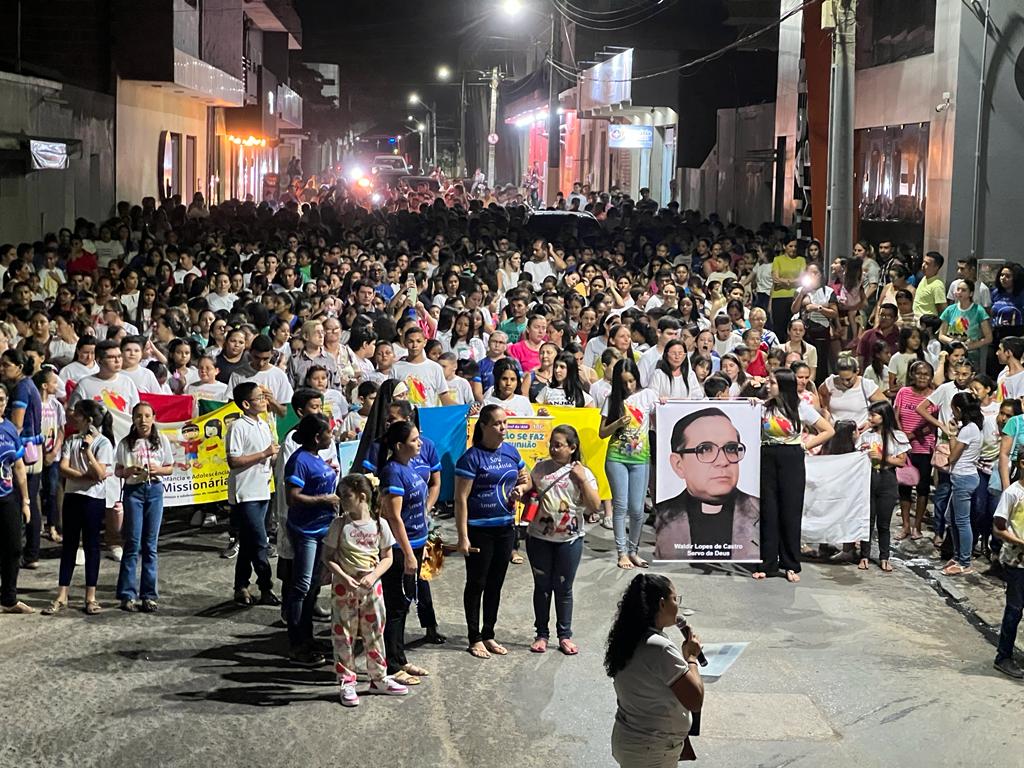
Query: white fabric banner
point(837, 499)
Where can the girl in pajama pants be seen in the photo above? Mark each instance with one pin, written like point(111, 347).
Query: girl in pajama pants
point(357, 552)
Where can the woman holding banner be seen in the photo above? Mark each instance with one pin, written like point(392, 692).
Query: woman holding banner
point(490, 478)
point(566, 494)
point(783, 443)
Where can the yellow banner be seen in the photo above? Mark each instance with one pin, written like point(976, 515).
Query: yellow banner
point(530, 436)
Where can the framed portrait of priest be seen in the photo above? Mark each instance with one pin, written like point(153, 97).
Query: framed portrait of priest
point(707, 494)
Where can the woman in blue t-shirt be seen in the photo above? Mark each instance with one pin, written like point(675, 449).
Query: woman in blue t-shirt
point(404, 505)
point(25, 411)
point(14, 511)
point(312, 504)
point(489, 479)
point(428, 466)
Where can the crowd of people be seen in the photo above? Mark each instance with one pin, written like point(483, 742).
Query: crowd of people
point(360, 316)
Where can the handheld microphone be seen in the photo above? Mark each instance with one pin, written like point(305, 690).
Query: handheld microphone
point(687, 632)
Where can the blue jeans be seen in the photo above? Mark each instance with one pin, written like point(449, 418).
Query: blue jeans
point(960, 504)
point(248, 518)
point(143, 513)
point(1012, 613)
point(554, 567)
point(983, 506)
point(628, 483)
point(940, 502)
point(300, 596)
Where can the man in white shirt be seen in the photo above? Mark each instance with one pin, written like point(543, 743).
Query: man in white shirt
point(250, 454)
point(424, 378)
point(546, 262)
point(221, 298)
point(968, 268)
point(185, 267)
point(668, 329)
point(108, 386)
point(145, 380)
point(271, 379)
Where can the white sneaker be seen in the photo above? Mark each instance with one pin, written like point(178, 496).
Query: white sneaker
point(209, 520)
point(115, 553)
point(197, 518)
point(349, 697)
point(80, 557)
point(388, 687)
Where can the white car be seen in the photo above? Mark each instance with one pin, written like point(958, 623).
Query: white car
point(389, 163)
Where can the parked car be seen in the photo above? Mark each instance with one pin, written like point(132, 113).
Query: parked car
point(560, 226)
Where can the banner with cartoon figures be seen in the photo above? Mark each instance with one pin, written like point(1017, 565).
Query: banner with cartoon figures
point(200, 461)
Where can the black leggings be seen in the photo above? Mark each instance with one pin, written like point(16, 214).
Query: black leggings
point(399, 592)
point(485, 576)
point(12, 527)
point(782, 506)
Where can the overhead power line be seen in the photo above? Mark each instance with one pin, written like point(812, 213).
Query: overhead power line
point(631, 19)
point(572, 72)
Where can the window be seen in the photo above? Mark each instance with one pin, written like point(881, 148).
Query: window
point(891, 181)
point(890, 31)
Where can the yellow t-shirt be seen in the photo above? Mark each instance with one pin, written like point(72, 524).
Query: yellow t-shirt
point(787, 269)
point(930, 293)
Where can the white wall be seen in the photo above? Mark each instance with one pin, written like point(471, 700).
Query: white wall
point(143, 111)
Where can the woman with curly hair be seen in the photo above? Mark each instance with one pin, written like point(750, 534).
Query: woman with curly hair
point(657, 685)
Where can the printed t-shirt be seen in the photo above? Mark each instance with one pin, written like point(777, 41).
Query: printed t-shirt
point(74, 451)
point(357, 545)
point(404, 481)
point(631, 444)
point(314, 477)
point(562, 511)
point(425, 381)
point(871, 443)
point(494, 474)
point(1011, 509)
point(778, 429)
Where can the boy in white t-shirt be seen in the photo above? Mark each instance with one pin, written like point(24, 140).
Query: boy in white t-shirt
point(251, 451)
point(459, 388)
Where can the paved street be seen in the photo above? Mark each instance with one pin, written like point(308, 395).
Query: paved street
point(847, 669)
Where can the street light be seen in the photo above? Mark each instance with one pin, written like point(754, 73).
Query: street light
point(421, 127)
point(511, 7)
point(414, 99)
point(443, 72)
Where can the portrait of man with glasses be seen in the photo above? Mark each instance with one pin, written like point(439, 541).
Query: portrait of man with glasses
point(711, 519)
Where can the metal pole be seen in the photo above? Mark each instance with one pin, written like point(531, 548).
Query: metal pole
point(554, 139)
point(460, 172)
point(433, 133)
point(839, 234)
point(976, 191)
point(493, 126)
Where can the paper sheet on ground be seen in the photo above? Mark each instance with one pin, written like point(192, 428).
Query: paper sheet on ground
point(720, 657)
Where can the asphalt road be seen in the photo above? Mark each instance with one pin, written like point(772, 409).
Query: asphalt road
point(845, 669)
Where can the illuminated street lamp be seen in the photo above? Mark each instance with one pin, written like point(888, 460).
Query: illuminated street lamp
point(511, 7)
point(443, 72)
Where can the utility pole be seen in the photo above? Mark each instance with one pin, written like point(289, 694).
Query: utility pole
point(433, 135)
point(460, 161)
point(554, 139)
point(839, 210)
point(493, 127)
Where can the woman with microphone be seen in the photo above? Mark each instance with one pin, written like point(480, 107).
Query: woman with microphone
point(658, 685)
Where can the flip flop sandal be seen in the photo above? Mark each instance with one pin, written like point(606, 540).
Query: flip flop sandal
point(568, 647)
point(886, 566)
point(92, 608)
point(496, 649)
point(477, 653)
point(517, 559)
point(405, 678)
point(412, 669)
point(540, 645)
point(54, 608)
